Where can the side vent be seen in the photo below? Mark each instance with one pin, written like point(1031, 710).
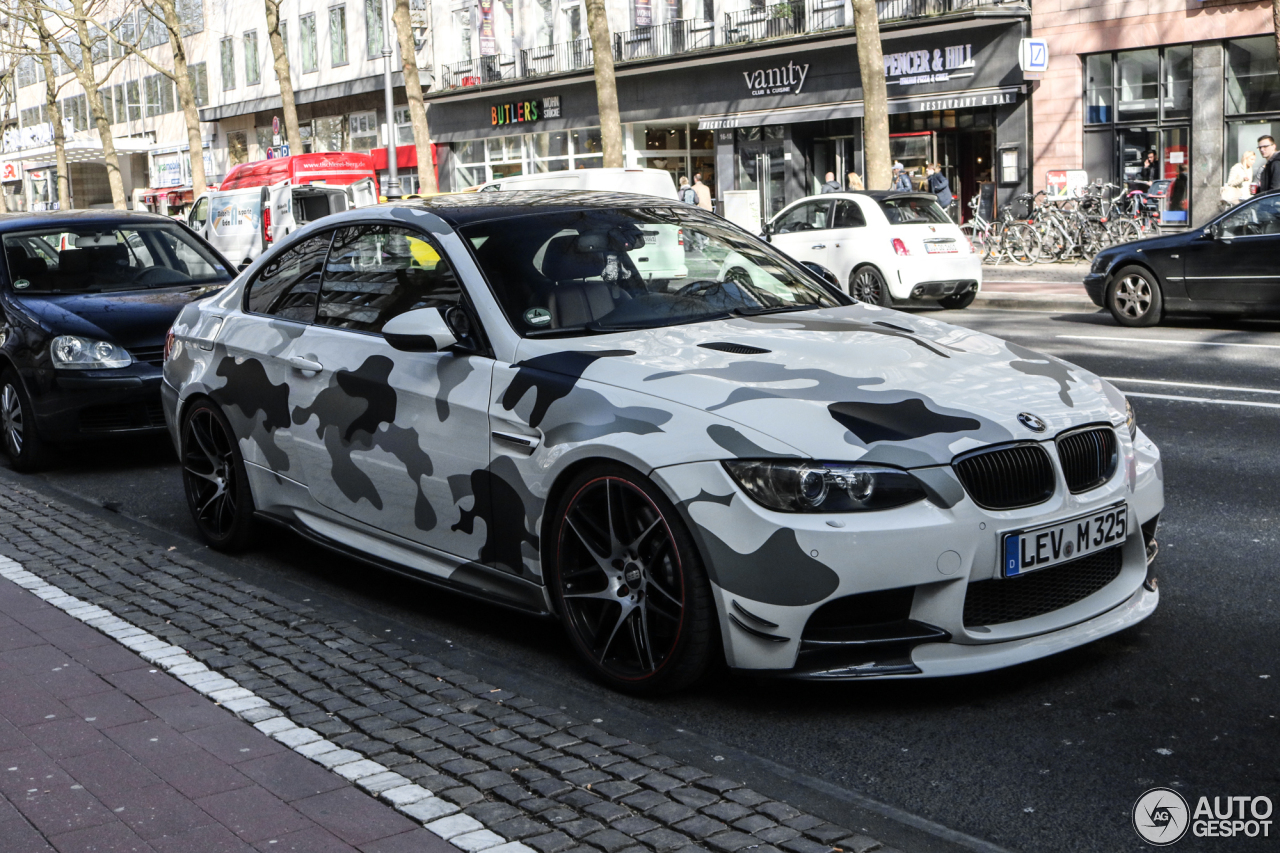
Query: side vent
point(736, 349)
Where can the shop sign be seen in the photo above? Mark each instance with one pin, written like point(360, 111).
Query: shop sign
point(913, 67)
point(644, 13)
point(168, 171)
point(958, 102)
point(1033, 56)
point(488, 44)
point(11, 171)
point(785, 80)
point(1063, 183)
point(524, 112)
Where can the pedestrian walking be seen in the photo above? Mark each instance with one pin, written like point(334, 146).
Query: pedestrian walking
point(855, 182)
point(1236, 189)
point(940, 187)
point(832, 185)
point(1269, 177)
point(901, 180)
point(702, 191)
point(686, 193)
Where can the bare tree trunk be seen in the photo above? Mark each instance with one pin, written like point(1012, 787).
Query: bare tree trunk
point(186, 95)
point(55, 116)
point(84, 73)
point(413, 92)
point(281, 63)
point(875, 98)
point(607, 83)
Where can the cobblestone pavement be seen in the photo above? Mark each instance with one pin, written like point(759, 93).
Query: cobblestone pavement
point(477, 764)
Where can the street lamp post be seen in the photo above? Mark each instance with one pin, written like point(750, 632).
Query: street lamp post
point(393, 174)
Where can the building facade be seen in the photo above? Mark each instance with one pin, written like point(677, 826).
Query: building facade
point(1194, 83)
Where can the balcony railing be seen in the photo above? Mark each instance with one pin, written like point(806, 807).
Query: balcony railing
point(483, 69)
point(766, 22)
point(556, 58)
point(679, 36)
point(896, 10)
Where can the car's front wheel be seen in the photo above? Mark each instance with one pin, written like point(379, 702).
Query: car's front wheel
point(868, 285)
point(27, 450)
point(1134, 297)
point(213, 474)
point(628, 583)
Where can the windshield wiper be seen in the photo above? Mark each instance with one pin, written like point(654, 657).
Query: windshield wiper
point(775, 309)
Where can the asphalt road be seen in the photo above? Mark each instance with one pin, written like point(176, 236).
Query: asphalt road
point(1047, 756)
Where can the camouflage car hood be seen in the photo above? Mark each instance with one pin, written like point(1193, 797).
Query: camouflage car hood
point(851, 383)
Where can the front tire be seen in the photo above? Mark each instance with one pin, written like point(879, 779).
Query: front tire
point(629, 584)
point(27, 450)
point(866, 284)
point(1134, 297)
point(214, 478)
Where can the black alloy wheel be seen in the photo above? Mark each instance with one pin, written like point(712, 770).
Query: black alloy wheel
point(628, 584)
point(868, 285)
point(27, 450)
point(214, 476)
point(1134, 298)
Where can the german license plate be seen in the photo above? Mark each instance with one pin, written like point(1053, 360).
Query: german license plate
point(1041, 547)
point(948, 247)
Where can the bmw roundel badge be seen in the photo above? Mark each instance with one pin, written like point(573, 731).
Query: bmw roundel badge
point(1031, 422)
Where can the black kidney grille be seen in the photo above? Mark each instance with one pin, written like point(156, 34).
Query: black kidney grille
point(737, 349)
point(1007, 478)
point(1002, 600)
point(1089, 458)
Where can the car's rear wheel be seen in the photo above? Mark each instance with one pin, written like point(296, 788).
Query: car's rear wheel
point(1134, 297)
point(27, 450)
point(213, 474)
point(628, 583)
point(866, 284)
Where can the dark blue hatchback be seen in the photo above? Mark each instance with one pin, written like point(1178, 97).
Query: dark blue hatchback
point(86, 301)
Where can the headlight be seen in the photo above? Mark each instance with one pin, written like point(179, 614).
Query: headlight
point(76, 353)
point(824, 486)
point(1130, 420)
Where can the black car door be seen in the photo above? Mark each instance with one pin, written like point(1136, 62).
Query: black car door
point(1241, 263)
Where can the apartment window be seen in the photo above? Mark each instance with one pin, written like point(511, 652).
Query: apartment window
point(328, 134)
point(26, 71)
point(34, 115)
point(307, 31)
point(364, 131)
point(98, 45)
point(117, 97)
point(284, 37)
point(108, 108)
point(1251, 76)
point(228, 64)
point(154, 32)
point(237, 147)
point(373, 27)
point(133, 99)
point(252, 75)
point(338, 36)
point(151, 95)
point(199, 83)
point(190, 16)
point(404, 127)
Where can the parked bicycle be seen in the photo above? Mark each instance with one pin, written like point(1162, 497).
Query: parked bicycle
point(1006, 238)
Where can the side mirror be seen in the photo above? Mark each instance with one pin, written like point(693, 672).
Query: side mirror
point(422, 330)
point(1210, 232)
point(243, 265)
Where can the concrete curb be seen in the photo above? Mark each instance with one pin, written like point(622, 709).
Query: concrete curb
point(1035, 302)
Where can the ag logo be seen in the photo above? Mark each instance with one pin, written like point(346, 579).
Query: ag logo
point(1160, 816)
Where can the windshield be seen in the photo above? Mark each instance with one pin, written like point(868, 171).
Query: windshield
point(97, 259)
point(585, 271)
point(907, 210)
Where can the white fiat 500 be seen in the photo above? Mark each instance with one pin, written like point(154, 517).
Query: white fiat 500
point(882, 247)
point(484, 392)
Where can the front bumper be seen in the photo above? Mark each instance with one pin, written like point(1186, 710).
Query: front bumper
point(75, 405)
point(1095, 284)
point(886, 594)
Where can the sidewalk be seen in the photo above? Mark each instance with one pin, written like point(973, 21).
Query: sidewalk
point(1039, 287)
point(152, 703)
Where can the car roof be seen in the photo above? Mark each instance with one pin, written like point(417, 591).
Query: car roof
point(879, 195)
point(78, 218)
point(465, 208)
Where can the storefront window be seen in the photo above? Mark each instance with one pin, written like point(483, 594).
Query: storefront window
point(1176, 158)
point(1177, 82)
point(1251, 76)
point(237, 147)
point(1099, 96)
point(665, 139)
point(328, 134)
point(1243, 136)
point(1139, 84)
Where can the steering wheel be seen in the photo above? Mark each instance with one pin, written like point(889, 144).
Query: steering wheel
point(703, 288)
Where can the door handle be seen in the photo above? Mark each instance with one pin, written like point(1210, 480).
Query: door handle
point(297, 362)
point(518, 441)
point(819, 246)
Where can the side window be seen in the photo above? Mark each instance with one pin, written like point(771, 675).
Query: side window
point(848, 214)
point(810, 216)
point(1261, 217)
point(200, 212)
point(376, 272)
point(289, 284)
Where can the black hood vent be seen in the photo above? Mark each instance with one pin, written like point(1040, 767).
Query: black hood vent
point(736, 349)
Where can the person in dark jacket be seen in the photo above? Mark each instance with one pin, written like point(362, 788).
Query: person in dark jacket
point(1269, 177)
point(940, 186)
point(832, 185)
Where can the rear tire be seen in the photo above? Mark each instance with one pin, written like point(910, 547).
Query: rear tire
point(629, 584)
point(1134, 298)
point(214, 479)
point(866, 284)
point(27, 450)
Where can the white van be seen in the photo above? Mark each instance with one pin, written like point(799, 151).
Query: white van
point(666, 259)
point(259, 203)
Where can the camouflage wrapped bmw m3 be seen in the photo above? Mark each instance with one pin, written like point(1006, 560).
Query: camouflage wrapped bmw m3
point(498, 394)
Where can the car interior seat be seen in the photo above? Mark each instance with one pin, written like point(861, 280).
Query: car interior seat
point(576, 298)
